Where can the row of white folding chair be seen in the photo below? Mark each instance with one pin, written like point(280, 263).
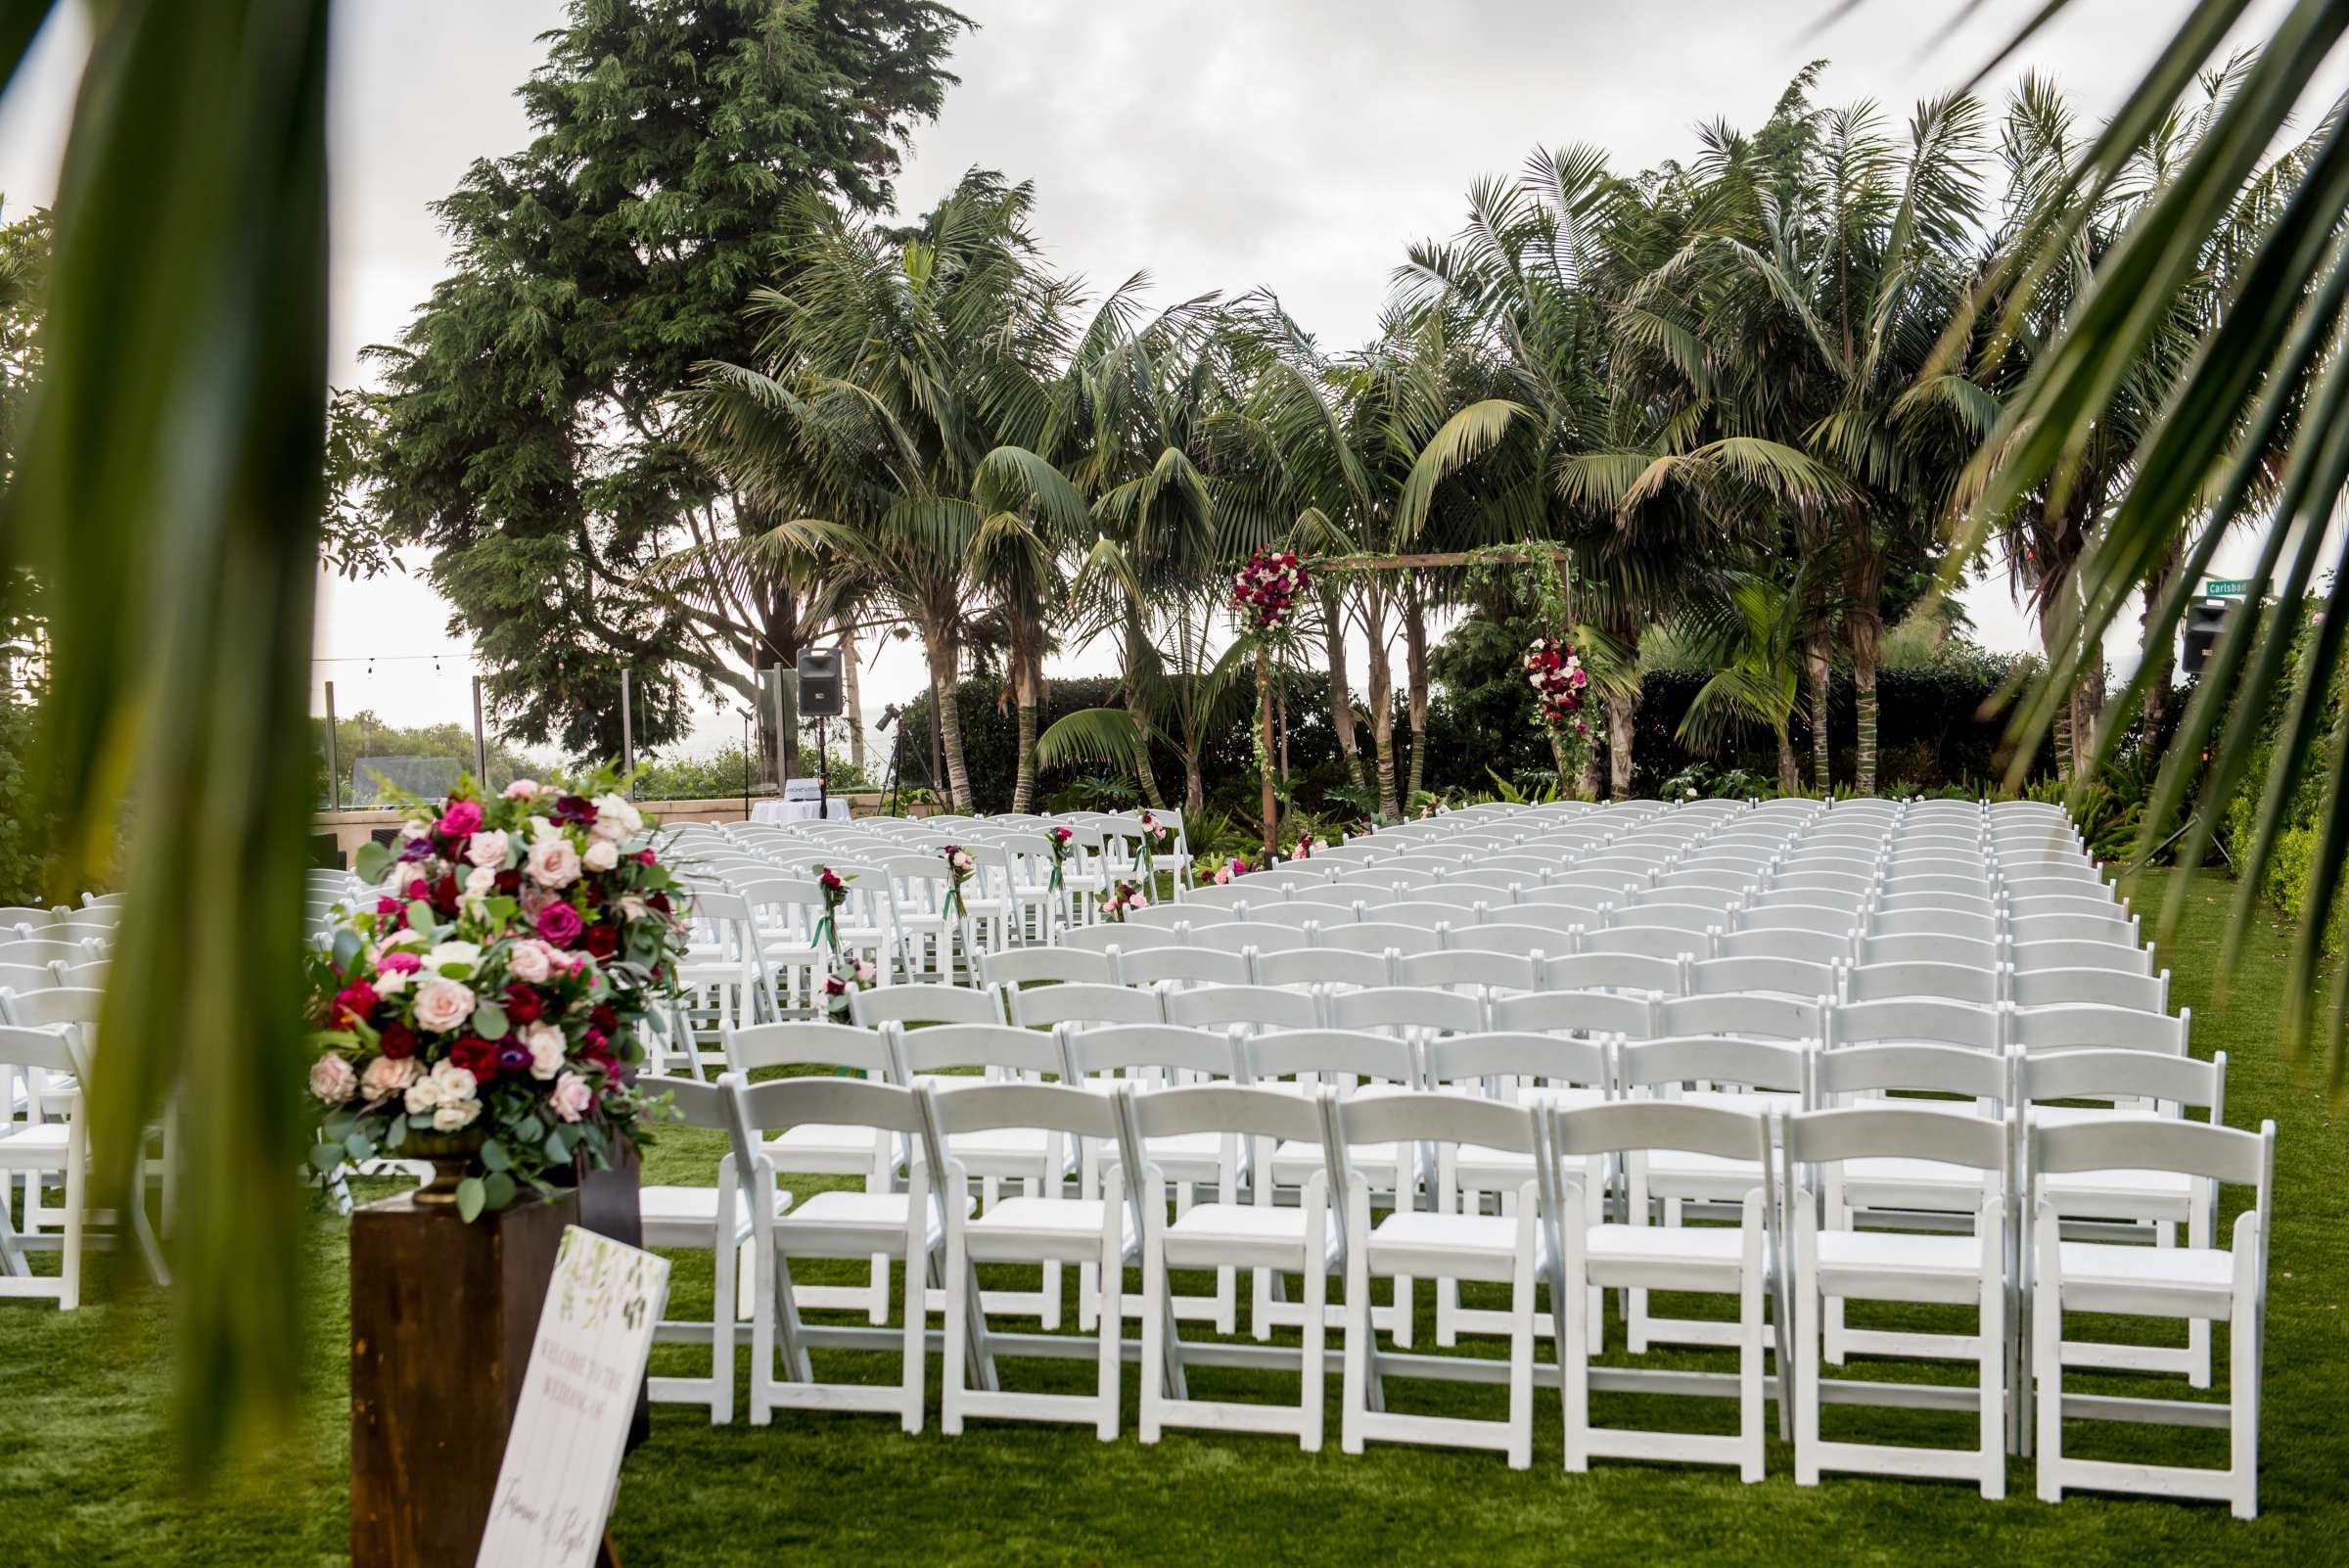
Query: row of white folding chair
point(1590, 1256)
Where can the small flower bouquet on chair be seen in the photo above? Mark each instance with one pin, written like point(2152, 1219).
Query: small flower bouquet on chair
point(482, 1010)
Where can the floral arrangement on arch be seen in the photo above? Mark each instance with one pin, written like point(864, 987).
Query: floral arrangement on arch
point(1264, 592)
point(1562, 693)
point(489, 1002)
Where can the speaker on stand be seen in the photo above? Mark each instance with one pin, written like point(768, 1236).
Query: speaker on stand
point(822, 698)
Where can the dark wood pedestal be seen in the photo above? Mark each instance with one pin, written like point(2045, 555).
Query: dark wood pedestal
point(442, 1315)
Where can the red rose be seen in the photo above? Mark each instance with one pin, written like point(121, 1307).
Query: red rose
point(657, 901)
point(602, 941)
point(445, 895)
point(355, 1001)
point(523, 1005)
point(398, 1042)
point(419, 889)
point(646, 857)
point(509, 882)
point(605, 1019)
point(477, 1056)
point(386, 905)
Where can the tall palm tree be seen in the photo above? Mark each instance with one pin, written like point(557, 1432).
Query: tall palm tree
point(894, 419)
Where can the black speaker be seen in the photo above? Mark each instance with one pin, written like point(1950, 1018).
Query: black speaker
point(2205, 622)
point(820, 693)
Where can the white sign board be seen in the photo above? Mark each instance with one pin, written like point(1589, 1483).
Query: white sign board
point(563, 1453)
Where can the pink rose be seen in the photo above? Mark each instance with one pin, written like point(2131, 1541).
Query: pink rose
point(553, 862)
point(560, 924)
point(331, 1079)
point(387, 1078)
point(399, 963)
point(461, 818)
point(572, 1096)
point(531, 960)
point(443, 1005)
point(522, 789)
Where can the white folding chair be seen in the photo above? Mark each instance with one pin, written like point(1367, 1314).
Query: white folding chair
point(51, 1143)
point(1511, 1250)
point(1951, 982)
point(702, 1217)
point(1045, 1231)
point(1225, 1234)
point(2102, 987)
point(2216, 1285)
point(1734, 1260)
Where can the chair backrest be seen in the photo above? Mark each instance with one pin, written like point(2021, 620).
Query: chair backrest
point(1784, 977)
point(1974, 953)
point(1981, 927)
point(1916, 1021)
point(40, 1050)
point(1811, 947)
point(988, 1107)
point(1088, 1004)
point(1290, 916)
point(2160, 1144)
point(52, 1008)
point(1753, 1017)
point(707, 1107)
point(1417, 913)
point(2109, 988)
point(1626, 1127)
point(1255, 1007)
point(1019, 966)
point(1657, 941)
point(1455, 967)
point(1501, 1059)
point(2116, 1076)
point(1168, 916)
point(1422, 1117)
point(1613, 971)
point(1239, 936)
point(36, 951)
point(1875, 1070)
point(1374, 935)
point(1254, 1113)
point(781, 1104)
point(753, 1047)
point(1714, 1060)
point(2074, 953)
point(1183, 966)
point(1223, 896)
point(1953, 982)
point(1412, 1011)
point(2091, 1026)
point(1578, 1012)
point(1883, 1131)
point(1131, 1047)
point(1122, 934)
point(1339, 1057)
point(1322, 966)
point(2118, 930)
point(996, 1047)
point(926, 1004)
point(1521, 943)
point(27, 977)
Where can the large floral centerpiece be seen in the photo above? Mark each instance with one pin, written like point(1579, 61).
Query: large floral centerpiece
point(484, 1005)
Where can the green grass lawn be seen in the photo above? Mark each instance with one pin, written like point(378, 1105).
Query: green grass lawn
point(85, 1475)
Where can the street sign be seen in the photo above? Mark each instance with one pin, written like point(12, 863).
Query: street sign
point(2226, 587)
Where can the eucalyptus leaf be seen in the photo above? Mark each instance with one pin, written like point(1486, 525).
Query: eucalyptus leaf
point(489, 1021)
point(346, 947)
point(361, 1146)
point(420, 916)
point(472, 1194)
point(371, 861)
point(498, 1188)
point(494, 1155)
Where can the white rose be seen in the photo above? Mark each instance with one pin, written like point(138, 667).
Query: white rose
point(617, 818)
point(488, 849)
point(602, 856)
point(633, 907)
point(391, 982)
point(529, 960)
point(545, 1044)
point(480, 882)
point(422, 1095)
point(543, 828)
point(554, 864)
point(466, 955)
point(452, 1118)
point(456, 1083)
point(443, 1005)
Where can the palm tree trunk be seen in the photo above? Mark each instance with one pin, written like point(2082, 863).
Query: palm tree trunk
point(1414, 674)
point(1138, 705)
point(1194, 788)
point(946, 660)
point(1379, 688)
point(1791, 773)
point(2156, 655)
point(1341, 702)
point(852, 683)
point(1620, 706)
point(1863, 627)
point(1817, 666)
point(1027, 673)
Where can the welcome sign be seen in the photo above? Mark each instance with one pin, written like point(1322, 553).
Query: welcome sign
point(563, 1453)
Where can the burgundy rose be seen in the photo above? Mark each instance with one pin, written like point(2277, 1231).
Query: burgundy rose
point(509, 882)
point(398, 1042)
point(477, 1056)
point(602, 941)
point(419, 889)
point(646, 857)
point(523, 1005)
point(560, 924)
point(386, 905)
point(657, 899)
point(605, 1019)
point(444, 895)
point(575, 809)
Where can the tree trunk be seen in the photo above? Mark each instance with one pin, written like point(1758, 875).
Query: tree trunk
point(1341, 702)
point(946, 661)
point(2156, 654)
point(851, 685)
point(1791, 773)
point(1414, 676)
point(1264, 743)
point(1620, 709)
point(1280, 716)
point(1818, 668)
point(1194, 788)
point(1379, 688)
point(1138, 704)
point(1027, 673)
point(1863, 628)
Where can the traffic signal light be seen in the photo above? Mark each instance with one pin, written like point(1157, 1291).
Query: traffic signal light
point(2205, 622)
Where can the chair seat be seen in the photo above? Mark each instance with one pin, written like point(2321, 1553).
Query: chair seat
point(1054, 1216)
point(1469, 1236)
point(2096, 1263)
point(678, 1210)
point(1899, 1251)
point(863, 1212)
point(810, 1139)
point(1246, 1222)
point(1713, 1244)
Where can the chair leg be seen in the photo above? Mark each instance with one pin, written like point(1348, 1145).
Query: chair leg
point(1154, 1309)
point(762, 1338)
point(2047, 1364)
point(957, 1331)
point(2245, 1332)
point(1113, 1319)
point(1358, 1323)
point(1994, 1390)
point(1313, 1371)
point(1521, 1360)
point(722, 1337)
point(1574, 1360)
point(1750, 1418)
point(1805, 1377)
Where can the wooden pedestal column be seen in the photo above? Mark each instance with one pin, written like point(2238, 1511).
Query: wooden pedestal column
point(442, 1315)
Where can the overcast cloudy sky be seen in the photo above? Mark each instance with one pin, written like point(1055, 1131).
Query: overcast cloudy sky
point(1296, 145)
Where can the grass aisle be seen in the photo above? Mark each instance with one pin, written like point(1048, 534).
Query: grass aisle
point(88, 1478)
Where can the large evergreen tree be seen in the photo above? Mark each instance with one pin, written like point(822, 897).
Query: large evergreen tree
point(533, 431)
